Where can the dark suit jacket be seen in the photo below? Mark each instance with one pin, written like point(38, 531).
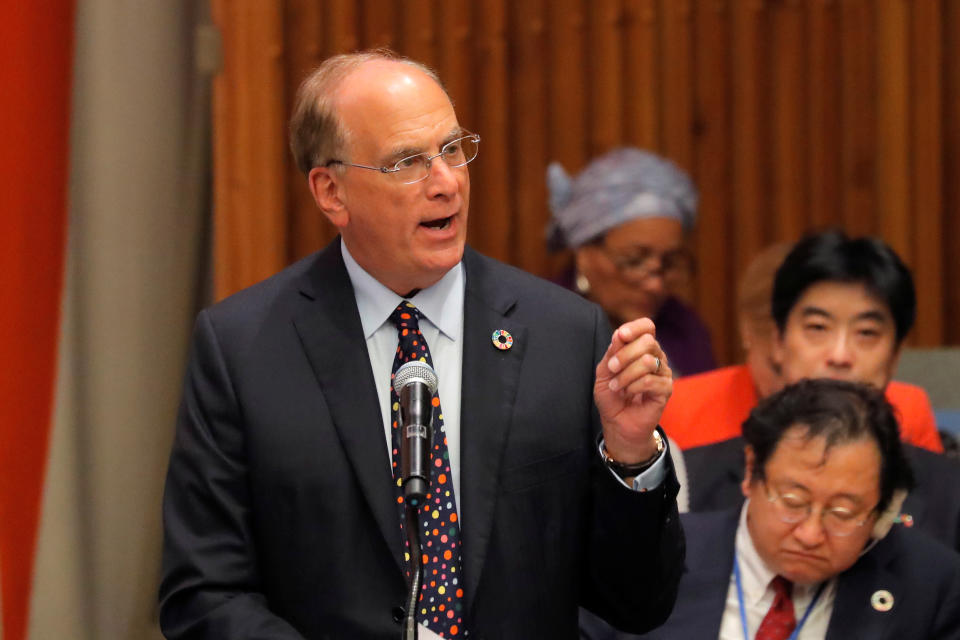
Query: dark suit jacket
point(715, 471)
point(279, 512)
point(922, 575)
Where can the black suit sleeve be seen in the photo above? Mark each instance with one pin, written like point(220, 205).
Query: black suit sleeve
point(636, 550)
point(210, 584)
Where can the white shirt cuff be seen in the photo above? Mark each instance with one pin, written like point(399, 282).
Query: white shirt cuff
point(649, 479)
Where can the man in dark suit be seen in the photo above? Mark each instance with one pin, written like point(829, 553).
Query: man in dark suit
point(814, 549)
point(715, 473)
point(282, 515)
point(842, 308)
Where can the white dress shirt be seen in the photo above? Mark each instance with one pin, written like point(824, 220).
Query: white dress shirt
point(758, 595)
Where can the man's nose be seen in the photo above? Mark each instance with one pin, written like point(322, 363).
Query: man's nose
point(441, 179)
point(809, 531)
point(840, 354)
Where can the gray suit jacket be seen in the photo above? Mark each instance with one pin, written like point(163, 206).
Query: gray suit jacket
point(279, 514)
point(922, 575)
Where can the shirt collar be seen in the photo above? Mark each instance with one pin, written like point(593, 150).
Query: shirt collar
point(440, 303)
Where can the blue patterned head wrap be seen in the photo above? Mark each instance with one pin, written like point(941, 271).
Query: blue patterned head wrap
point(617, 187)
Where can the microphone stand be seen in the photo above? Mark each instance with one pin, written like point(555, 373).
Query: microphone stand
point(416, 569)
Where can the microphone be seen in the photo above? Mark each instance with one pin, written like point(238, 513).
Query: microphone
point(415, 383)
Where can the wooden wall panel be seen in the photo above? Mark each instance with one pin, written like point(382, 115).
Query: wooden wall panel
point(676, 70)
point(528, 96)
point(750, 158)
point(567, 105)
point(455, 54)
point(492, 212)
point(924, 213)
point(790, 204)
point(791, 115)
point(824, 115)
point(605, 86)
point(253, 159)
point(642, 86)
point(893, 124)
point(713, 236)
point(950, 234)
point(378, 22)
point(859, 106)
point(303, 24)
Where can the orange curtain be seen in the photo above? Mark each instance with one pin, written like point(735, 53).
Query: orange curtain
point(36, 46)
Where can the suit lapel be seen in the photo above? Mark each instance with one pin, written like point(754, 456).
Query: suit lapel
point(490, 381)
point(332, 337)
point(715, 572)
point(854, 615)
point(699, 609)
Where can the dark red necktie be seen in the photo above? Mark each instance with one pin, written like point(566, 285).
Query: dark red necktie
point(780, 621)
point(440, 606)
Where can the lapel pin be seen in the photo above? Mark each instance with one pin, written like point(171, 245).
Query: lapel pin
point(905, 519)
point(502, 339)
point(882, 600)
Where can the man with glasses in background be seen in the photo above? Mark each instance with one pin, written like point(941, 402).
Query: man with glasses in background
point(283, 509)
point(814, 551)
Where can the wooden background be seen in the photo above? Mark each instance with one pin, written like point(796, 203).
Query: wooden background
point(790, 115)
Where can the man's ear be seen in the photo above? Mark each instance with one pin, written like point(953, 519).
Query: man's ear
point(748, 458)
point(325, 187)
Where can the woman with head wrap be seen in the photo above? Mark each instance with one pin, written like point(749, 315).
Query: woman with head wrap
point(625, 217)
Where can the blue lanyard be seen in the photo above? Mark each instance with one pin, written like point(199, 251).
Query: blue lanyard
point(743, 608)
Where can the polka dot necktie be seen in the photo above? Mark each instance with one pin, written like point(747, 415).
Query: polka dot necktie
point(440, 605)
point(780, 621)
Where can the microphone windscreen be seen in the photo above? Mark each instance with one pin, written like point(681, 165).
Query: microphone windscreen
point(415, 371)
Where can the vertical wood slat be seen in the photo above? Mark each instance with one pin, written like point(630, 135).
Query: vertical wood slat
point(824, 112)
point(859, 117)
point(893, 125)
point(676, 71)
point(252, 223)
point(303, 26)
point(528, 99)
point(566, 112)
point(491, 172)
point(417, 37)
point(925, 210)
point(790, 203)
point(642, 87)
point(342, 29)
point(714, 230)
point(378, 20)
point(606, 70)
point(567, 105)
point(951, 186)
point(751, 208)
point(456, 56)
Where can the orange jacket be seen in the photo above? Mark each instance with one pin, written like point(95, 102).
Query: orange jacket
point(711, 406)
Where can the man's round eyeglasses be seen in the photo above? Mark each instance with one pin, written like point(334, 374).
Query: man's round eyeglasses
point(794, 509)
point(415, 168)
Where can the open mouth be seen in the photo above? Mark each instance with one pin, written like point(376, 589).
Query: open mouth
point(439, 223)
